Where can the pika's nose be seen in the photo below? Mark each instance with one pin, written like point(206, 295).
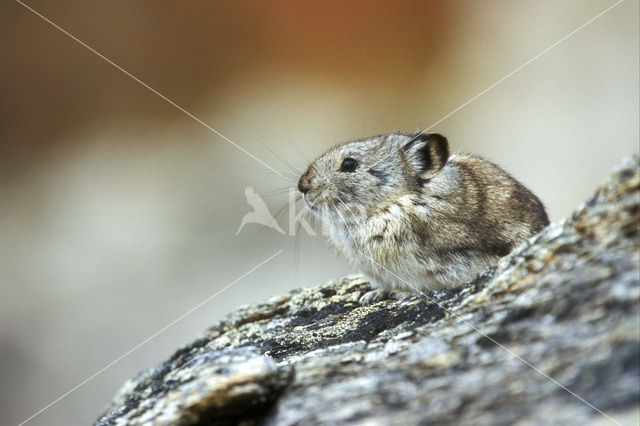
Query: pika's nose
point(303, 183)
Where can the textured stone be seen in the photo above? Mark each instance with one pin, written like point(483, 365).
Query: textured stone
point(554, 325)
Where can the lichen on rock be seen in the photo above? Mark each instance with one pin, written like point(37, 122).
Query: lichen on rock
point(547, 336)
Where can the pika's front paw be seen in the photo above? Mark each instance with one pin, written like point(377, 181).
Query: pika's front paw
point(374, 296)
point(398, 294)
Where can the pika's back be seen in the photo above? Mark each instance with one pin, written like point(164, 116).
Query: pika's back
point(504, 195)
point(496, 211)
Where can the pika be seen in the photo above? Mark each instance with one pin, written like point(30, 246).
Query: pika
point(413, 217)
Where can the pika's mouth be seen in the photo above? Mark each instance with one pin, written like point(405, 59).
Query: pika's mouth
point(313, 205)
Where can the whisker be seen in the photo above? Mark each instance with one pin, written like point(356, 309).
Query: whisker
point(293, 177)
point(297, 148)
point(275, 191)
point(282, 160)
point(359, 222)
point(296, 255)
point(283, 175)
point(281, 210)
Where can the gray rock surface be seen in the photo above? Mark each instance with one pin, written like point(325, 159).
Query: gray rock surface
point(545, 337)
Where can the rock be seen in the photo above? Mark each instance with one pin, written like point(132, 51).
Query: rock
point(550, 335)
point(197, 385)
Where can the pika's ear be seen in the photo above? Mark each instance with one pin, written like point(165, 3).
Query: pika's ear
point(428, 153)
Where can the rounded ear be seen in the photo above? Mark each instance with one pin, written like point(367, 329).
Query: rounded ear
point(428, 153)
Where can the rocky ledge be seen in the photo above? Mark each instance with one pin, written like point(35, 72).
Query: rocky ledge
point(550, 335)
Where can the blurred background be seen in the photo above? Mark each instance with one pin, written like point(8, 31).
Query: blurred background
point(118, 212)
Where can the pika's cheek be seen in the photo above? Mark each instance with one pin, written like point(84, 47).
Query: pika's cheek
point(317, 197)
point(346, 194)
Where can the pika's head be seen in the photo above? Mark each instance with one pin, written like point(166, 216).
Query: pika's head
point(358, 176)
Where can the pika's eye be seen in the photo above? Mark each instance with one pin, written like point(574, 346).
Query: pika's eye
point(348, 165)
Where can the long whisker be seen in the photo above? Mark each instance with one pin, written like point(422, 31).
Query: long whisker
point(297, 148)
point(281, 211)
point(345, 225)
point(283, 161)
point(282, 175)
point(356, 248)
point(359, 222)
point(276, 191)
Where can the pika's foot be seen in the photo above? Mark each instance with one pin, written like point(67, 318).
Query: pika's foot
point(398, 294)
point(374, 296)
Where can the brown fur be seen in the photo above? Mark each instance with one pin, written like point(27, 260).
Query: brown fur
point(414, 218)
